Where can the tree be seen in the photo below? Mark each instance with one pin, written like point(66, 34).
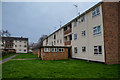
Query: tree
point(40, 41)
point(5, 33)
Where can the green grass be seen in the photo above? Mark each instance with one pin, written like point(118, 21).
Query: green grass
point(24, 55)
point(7, 56)
point(58, 69)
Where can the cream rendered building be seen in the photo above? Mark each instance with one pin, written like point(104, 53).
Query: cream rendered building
point(20, 44)
point(93, 35)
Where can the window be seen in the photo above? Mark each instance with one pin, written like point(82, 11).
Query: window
point(15, 45)
point(54, 36)
point(20, 45)
point(75, 23)
point(54, 49)
point(20, 40)
point(25, 46)
point(75, 50)
point(57, 41)
point(16, 41)
point(61, 49)
point(83, 49)
point(25, 50)
point(96, 12)
point(24, 41)
point(97, 49)
point(97, 30)
point(82, 18)
point(75, 36)
point(54, 42)
point(19, 49)
point(60, 41)
point(46, 49)
point(83, 33)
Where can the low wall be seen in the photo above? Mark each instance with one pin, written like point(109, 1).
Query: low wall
point(54, 55)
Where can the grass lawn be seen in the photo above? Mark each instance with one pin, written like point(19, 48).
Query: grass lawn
point(24, 55)
point(58, 69)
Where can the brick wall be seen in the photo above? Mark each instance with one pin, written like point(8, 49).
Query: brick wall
point(110, 26)
point(35, 52)
point(119, 31)
point(54, 55)
point(68, 31)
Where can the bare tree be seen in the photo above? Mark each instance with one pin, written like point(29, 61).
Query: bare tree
point(5, 33)
point(40, 41)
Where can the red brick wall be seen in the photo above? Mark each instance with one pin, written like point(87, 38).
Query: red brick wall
point(119, 30)
point(110, 27)
point(54, 55)
point(68, 31)
point(35, 52)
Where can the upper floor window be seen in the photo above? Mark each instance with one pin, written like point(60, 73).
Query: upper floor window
point(57, 41)
point(15, 45)
point(54, 49)
point(97, 30)
point(54, 42)
point(75, 23)
point(75, 49)
point(82, 18)
point(75, 36)
point(83, 33)
point(84, 49)
point(61, 49)
point(20, 45)
point(54, 36)
point(25, 46)
point(60, 40)
point(97, 49)
point(20, 40)
point(24, 41)
point(96, 12)
point(46, 49)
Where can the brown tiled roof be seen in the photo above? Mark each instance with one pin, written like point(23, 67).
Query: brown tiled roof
point(14, 38)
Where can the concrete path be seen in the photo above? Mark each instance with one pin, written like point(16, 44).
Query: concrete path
point(5, 60)
point(26, 59)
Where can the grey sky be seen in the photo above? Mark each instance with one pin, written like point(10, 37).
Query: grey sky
point(32, 19)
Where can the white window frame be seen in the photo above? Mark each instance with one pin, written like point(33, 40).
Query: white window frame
point(46, 49)
point(97, 30)
point(97, 50)
point(75, 23)
point(75, 50)
point(54, 49)
point(75, 36)
point(84, 47)
point(96, 12)
point(83, 33)
point(62, 49)
point(82, 18)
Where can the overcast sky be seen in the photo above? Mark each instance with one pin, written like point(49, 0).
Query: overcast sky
point(33, 19)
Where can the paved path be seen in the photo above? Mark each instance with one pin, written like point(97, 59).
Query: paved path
point(26, 59)
point(5, 60)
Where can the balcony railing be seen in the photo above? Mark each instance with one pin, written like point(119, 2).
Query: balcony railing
point(67, 31)
point(68, 43)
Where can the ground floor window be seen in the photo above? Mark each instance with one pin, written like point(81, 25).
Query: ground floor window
point(54, 49)
point(75, 50)
point(46, 49)
point(61, 49)
point(97, 49)
point(84, 49)
point(25, 50)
